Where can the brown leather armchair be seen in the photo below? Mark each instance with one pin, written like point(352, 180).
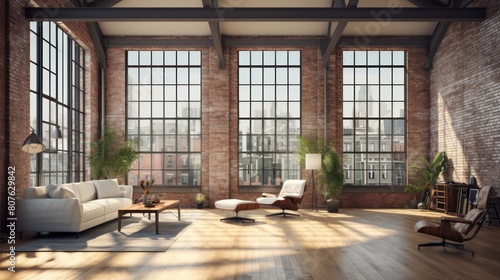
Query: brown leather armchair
point(461, 230)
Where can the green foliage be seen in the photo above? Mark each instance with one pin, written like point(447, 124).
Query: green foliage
point(414, 189)
point(331, 176)
point(110, 157)
point(430, 171)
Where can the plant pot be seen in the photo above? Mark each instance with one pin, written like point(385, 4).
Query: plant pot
point(414, 203)
point(199, 205)
point(332, 205)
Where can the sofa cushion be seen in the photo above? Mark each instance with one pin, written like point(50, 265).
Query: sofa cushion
point(111, 204)
point(60, 192)
point(107, 188)
point(85, 191)
point(53, 191)
point(92, 210)
point(65, 192)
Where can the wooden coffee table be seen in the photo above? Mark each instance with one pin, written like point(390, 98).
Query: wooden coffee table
point(157, 209)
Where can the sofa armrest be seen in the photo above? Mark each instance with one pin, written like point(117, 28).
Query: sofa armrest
point(49, 215)
point(127, 191)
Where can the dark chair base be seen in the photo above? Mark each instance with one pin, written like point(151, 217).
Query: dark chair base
point(446, 244)
point(237, 218)
point(283, 213)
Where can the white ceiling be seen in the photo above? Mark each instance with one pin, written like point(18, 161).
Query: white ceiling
point(383, 28)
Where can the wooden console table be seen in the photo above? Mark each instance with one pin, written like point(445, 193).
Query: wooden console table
point(157, 209)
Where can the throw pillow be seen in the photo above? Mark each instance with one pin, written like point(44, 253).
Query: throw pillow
point(107, 188)
point(54, 191)
point(67, 193)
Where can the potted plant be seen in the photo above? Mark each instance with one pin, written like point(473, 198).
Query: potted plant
point(429, 172)
point(415, 190)
point(331, 175)
point(112, 158)
point(200, 200)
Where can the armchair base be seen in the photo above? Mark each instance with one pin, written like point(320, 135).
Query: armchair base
point(237, 218)
point(444, 243)
point(283, 213)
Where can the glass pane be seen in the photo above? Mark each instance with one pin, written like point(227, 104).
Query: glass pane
point(373, 58)
point(348, 57)
point(348, 109)
point(348, 76)
point(373, 76)
point(398, 75)
point(360, 57)
point(244, 58)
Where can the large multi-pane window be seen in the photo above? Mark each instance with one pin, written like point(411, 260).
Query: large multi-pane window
point(269, 98)
point(374, 110)
point(164, 113)
point(57, 86)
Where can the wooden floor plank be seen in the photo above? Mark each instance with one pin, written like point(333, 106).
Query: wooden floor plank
point(352, 244)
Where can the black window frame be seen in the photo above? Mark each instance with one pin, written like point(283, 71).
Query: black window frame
point(388, 149)
point(57, 101)
point(267, 154)
point(169, 173)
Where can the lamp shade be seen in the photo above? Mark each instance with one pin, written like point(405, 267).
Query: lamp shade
point(33, 144)
point(313, 161)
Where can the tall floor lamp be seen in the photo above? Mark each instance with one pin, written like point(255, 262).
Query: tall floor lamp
point(313, 162)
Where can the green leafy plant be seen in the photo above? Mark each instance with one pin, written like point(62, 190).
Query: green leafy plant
point(413, 189)
point(331, 175)
point(111, 157)
point(430, 171)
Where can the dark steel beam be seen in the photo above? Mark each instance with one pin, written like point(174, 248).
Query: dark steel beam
point(272, 42)
point(104, 3)
point(151, 42)
point(98, 40)
point(332, 42)
point(427, 3)
point(440, 32)
point(255, 14)
point(215, 32)
point(437, 37)
point(383, 41)
point(344, 42)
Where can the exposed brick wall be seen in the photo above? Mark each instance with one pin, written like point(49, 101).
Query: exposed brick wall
point(220, 118)
point(4, 159)
point(465, 103)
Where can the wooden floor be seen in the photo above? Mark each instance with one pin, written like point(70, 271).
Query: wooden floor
point(353, 244)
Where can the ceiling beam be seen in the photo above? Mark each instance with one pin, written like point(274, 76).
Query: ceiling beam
point(437, 38)
point(427, 3)
point(334, 39)
point(344, 42)
point(383, 41)
point(124, 42)
point(255, 14)
point(98, 40)
point(215, 32)
point(441, 28)
point(104, 3)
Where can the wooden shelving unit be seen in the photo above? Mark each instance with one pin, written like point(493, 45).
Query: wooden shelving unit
point(440, 193)
point(451, 198)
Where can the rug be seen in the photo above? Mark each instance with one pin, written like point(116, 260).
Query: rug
point(138, 234)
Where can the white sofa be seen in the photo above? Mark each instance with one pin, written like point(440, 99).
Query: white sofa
point(72, 207)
